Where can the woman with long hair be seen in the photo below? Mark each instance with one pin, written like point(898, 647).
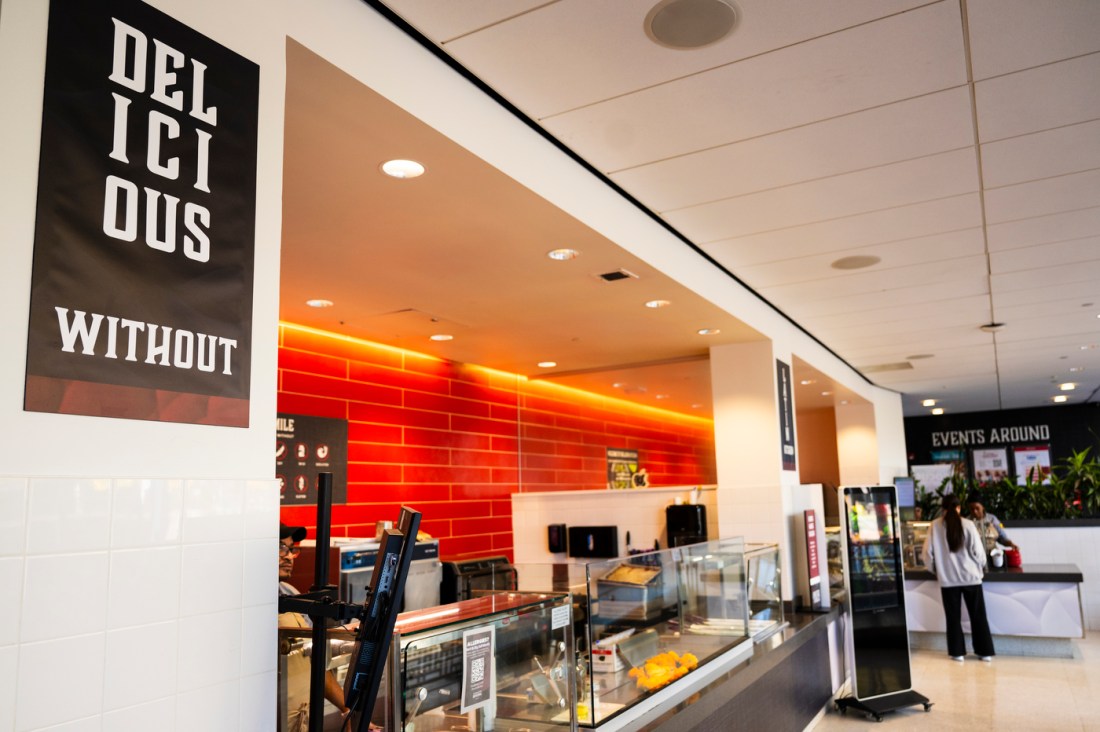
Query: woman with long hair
point(955, 553)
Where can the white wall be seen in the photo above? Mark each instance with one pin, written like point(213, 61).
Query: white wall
point(137, 558)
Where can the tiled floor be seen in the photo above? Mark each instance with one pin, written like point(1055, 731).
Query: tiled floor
point(1012, 693)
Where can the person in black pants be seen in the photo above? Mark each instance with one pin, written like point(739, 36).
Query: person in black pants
point(955, 552)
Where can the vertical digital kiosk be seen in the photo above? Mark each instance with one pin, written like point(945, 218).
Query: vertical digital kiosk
point(878, 644)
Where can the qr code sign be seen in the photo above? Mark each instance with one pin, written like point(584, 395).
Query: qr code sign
point(477, 670)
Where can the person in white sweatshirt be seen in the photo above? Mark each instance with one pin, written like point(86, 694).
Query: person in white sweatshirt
point(955, 553)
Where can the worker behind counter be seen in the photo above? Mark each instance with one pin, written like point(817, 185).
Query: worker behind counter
point(298, 662)
point(989, 526)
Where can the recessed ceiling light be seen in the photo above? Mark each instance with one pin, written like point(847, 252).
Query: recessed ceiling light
point(696, 406)
point(661, 396)
point(1088, 347)
point(928, 403)
point(658, 304)
point(402, 168)
point(1068, 386)
point(442, 337)
point(708, 331)
point(843, 402)
point(563, 255)
point(547, 364)
point(826, 393)
point(1059, 399)
point(618, 385)
point(1076, 369)
point(937, 411)
point(807, 382)
point(320, 303)
point(858, 261)
point(992, 327)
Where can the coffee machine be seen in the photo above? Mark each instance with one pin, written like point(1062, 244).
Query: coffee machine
point(686, 524)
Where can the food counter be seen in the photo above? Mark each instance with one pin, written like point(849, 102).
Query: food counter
point(1033, 610)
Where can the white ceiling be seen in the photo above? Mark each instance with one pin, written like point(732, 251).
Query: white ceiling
point(815, 131)
point(958, 141)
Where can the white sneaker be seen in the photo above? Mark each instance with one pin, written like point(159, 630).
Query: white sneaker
point(987, 659)
point(957, 658)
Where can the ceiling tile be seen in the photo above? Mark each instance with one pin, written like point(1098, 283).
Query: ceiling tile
point(1045, 277)
point(444, 21)
point(1044, 229)
point(971, 310)
point(902, 56)
point(1009, 35)
point(804, 308)
point(912, 181)
point(1039, 99)
point(908, 129)
point(1071, 149)
point(572, 53)
point(1041, 197)
point(1076, 251)
point(940, 216)
point(940, 247)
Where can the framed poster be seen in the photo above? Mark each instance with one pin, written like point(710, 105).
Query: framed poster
point(621, 467)
point(990, 465)
point(1032, 461)
point(305, 447)
point(144, 242)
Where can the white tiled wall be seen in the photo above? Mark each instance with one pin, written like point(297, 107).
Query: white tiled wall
point(641, 512)
point(137, 604)
point(1078, 545)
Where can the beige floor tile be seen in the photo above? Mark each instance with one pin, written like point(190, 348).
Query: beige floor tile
point(1012, 693)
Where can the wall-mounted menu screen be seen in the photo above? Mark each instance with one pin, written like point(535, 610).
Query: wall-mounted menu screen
point(876, 591)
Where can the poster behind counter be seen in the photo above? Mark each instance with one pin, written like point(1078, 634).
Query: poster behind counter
point(305, 447)
point(141, 290)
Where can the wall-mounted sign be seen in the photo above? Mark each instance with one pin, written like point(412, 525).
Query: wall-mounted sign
point(621, 467)
point(305, 447)
point(990, 464)
point(141, 292)
point(786, 414)
point(1032, 461)
point(813, 569)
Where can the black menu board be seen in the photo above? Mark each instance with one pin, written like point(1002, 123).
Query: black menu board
point(305, 447)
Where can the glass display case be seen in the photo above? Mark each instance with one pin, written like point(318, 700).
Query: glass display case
point(499, 662)
point(834, 550)
point(648, 619)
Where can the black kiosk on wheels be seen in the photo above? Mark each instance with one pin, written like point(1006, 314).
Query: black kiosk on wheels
point(878, 644)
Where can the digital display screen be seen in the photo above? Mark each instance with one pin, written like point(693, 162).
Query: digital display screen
point(880, 636)
point(907, 492)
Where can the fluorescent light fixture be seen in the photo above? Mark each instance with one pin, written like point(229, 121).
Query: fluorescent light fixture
point(318, 303)
point(1068, 386)
point(928, 403)
point(442, 337)
point(658, 304)
point(1059, 399)
point(547, 364)
point(402, 169)
point(937, 411)
point(563, 255)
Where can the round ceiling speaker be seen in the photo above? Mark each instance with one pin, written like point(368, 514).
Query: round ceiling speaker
point(686, 24)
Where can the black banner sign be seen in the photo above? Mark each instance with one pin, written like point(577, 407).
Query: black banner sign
point(785, 396)
point(141, 295)
point(305, 447)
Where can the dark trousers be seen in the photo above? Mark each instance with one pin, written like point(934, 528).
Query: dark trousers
point(953, 597)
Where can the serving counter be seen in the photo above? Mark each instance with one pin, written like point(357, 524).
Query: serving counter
point(1033, 610)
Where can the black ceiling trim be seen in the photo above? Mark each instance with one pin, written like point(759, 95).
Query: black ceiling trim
point(446, 58)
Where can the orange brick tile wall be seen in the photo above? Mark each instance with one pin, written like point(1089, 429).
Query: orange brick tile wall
point(455, 441)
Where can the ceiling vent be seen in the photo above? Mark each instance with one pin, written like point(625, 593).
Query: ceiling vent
point(878, 368)
point(619, 274)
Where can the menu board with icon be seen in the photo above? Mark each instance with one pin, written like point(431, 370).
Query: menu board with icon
point(305, 447)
